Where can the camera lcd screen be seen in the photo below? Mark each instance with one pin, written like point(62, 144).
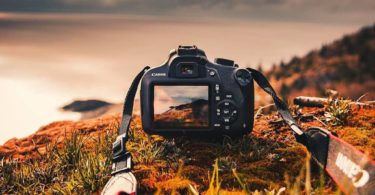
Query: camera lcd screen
point(181, 106)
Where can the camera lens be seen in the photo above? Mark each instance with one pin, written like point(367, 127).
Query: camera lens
point(187, 69)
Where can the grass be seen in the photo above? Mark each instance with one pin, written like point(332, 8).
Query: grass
point(268, 161)
point(338, 111)
point(80, 165)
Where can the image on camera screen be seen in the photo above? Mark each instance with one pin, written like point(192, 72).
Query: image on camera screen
point(181, 107)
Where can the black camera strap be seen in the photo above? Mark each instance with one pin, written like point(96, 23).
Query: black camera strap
point(121, 157)
point(282, 108)
point(351, 170)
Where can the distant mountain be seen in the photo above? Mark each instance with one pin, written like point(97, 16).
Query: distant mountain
point(84, 105)
point(346, 65)
point(184, 115)
point(95, 108)
point(195, 105)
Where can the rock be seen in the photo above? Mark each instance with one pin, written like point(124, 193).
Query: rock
point(84, 105)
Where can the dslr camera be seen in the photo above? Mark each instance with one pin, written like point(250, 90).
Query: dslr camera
point(188, 94)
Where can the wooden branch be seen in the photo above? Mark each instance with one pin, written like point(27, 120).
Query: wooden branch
point(306, 101)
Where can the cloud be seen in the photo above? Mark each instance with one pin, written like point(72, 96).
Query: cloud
point(304, 10)
point(105, 4)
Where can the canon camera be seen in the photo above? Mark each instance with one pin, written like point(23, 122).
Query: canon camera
point(189, 94)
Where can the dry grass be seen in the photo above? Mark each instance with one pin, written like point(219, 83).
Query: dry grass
point(268, 161)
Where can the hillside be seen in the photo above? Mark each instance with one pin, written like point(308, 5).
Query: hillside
point(193, 114)
point(347, 65)
point(96, 108)
point(74, 157)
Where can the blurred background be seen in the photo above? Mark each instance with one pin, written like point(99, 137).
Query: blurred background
point(55, 51)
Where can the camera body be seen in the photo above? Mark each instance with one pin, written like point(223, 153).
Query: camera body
point(188, 94)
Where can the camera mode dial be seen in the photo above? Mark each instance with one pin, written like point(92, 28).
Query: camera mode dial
point(243, 77)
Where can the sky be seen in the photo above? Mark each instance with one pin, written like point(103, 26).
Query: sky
point(55, 51)
point(332, 11)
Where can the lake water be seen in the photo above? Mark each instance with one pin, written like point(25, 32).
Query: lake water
point(47, 60)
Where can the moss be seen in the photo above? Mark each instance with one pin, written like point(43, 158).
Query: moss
point(267, 159)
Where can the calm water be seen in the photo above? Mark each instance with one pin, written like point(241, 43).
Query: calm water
point(47, 60)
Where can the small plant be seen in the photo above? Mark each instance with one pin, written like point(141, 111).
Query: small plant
point(7, 176)
point(243, 185)
point(246, 190)
point(214, 187)
point(338, 111)
point(92, 172)
point(70, 153)
point(149, 152)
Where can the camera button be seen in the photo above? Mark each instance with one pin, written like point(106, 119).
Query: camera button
point(228, 96)
point(227, 127)
point(217, 125)
point(217, 88)
point(226, 111)
point(211, 73)
point(217, 98)
point(226, 119)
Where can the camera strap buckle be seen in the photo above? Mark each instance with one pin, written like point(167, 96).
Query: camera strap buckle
point(118, 147)
point(122, 164)
point(121, 158)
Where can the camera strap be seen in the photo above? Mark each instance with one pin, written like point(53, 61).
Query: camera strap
point(351, 170)
point(121, 157)
point(123, 181)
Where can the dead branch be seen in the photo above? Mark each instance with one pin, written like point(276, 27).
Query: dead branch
point(306, 101)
